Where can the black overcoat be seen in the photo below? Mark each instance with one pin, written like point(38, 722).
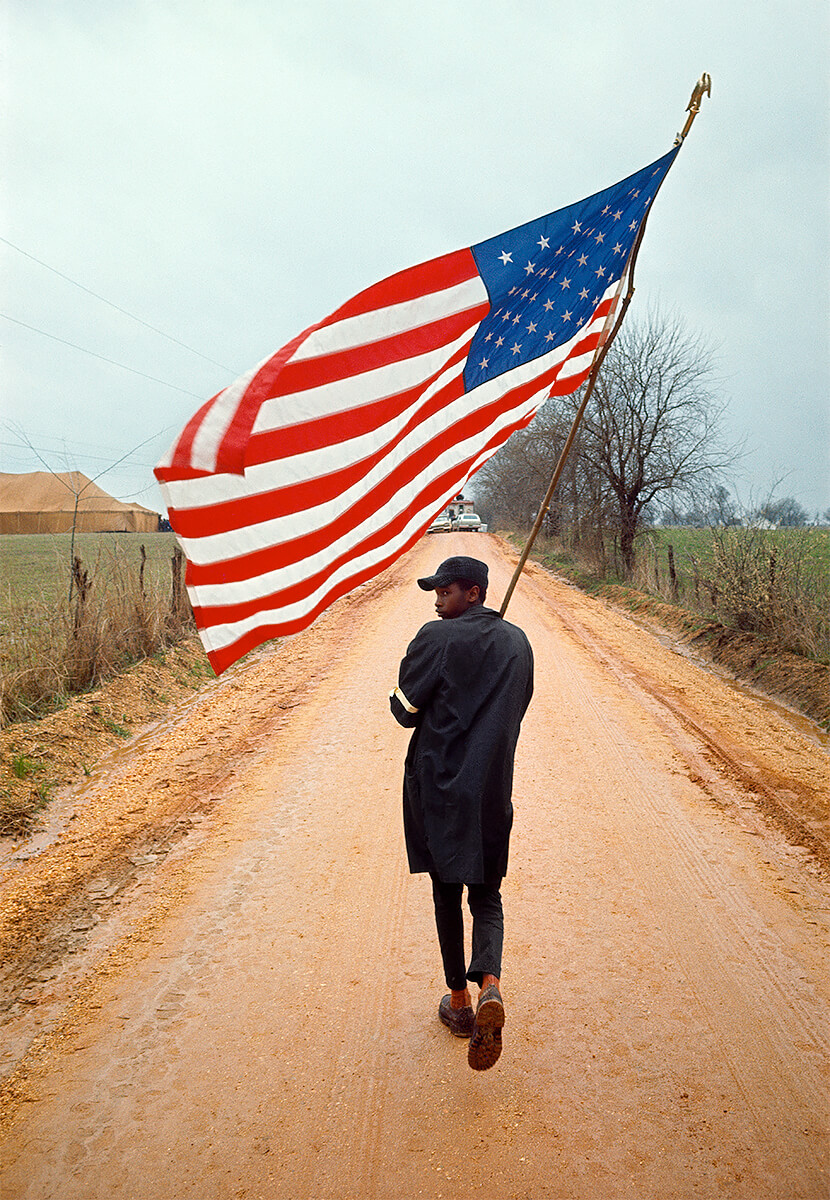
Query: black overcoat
point(464, 685)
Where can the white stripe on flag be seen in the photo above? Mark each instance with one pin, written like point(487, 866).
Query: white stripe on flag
point(379, 323)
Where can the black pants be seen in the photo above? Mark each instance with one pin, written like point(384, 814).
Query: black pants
point(488, 931)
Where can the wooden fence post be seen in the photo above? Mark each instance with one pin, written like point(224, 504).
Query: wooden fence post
point(178, 587)
point(675, 589)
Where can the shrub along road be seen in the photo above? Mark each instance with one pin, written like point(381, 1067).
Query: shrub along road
point(250, 1008)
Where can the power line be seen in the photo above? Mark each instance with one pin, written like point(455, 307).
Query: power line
point(64, 442)
point(78, 455)
point(103, 357)
point(25, 441)
point(117, 307)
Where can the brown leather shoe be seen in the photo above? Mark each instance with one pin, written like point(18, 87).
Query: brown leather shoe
point(459, 1021)
point(485, 1042)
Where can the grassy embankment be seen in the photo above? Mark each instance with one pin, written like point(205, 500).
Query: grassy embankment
point(128, 613)
point(754, 600)
point(127, 604)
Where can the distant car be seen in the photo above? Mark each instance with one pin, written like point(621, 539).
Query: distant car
point(468, 522)
point(440, 525)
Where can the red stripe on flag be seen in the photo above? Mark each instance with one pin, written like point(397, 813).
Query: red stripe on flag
point(222, 658)
point(314, 372)
point(410, 284)
point(228, 613)
point(279, 502)
point(273, 444)
point(231, 457)
point(266, 506)
point(184, 445)
point(286, 553)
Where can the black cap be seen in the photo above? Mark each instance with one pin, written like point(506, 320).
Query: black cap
point(452, 569)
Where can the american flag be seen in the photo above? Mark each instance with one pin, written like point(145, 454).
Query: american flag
point(317, 469)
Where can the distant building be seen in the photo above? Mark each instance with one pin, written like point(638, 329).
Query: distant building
point(458, 506)
point(40, 502)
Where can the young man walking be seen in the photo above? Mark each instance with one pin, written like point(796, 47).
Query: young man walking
point(464, 686)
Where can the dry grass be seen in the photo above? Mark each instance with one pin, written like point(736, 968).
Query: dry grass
point(773, 583)
point(52, 647)
point(768, 582)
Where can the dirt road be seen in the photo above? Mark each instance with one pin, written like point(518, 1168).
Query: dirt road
point(254, 1015)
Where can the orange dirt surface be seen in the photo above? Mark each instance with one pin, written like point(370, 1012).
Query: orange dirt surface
point(222, 982)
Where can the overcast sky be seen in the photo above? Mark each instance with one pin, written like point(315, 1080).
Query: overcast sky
point(230, 171)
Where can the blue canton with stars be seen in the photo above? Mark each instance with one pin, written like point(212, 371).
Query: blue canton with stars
point(546, 278)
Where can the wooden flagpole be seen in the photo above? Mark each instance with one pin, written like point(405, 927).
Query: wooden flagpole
point(702, 87)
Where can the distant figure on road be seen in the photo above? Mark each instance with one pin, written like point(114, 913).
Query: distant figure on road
point(464, 686)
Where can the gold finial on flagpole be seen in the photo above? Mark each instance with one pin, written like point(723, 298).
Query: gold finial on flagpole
point(703, 87)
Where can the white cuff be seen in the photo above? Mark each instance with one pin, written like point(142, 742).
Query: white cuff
point(410, 708)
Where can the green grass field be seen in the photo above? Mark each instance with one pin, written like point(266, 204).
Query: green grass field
point(810, 547)
point(50, 649)
point(36, 567)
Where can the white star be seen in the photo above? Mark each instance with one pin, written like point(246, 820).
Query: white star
point(576, 227)
point(516, 319)
point(487, 337)
point(583, 295)
point(533, 297)
point(499, 341)
point(543, 242)
point(607, 209)
point(505, 257)
point(531, 327)
point(582, 260)
point(618, 214)
point(529, 267)
point(561, 248)
point(550, 337)
point(548, 305)
point(599, 238)
point(525, 293)
point(618, 248)
point(483, 363)
point(506, 316)
point(543, 271)
point(566, 316)
point(517, 348)
point(565, 283)
point(633, 226)
point(600, 271)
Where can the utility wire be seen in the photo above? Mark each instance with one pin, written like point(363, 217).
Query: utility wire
point(80, 455)
point(25, 441)
point(64, 443)
point(103, 357)
point(117, 307)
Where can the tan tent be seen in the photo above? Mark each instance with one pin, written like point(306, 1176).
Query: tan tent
point(40, 502)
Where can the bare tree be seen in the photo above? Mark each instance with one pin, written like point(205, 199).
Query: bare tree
point(652, 428)
point(512, 483)
point(786, 512)
point(653, 424)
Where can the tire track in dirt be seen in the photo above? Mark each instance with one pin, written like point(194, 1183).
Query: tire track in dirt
point(265, 1021)
point(774, 797)
point(695, 864)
